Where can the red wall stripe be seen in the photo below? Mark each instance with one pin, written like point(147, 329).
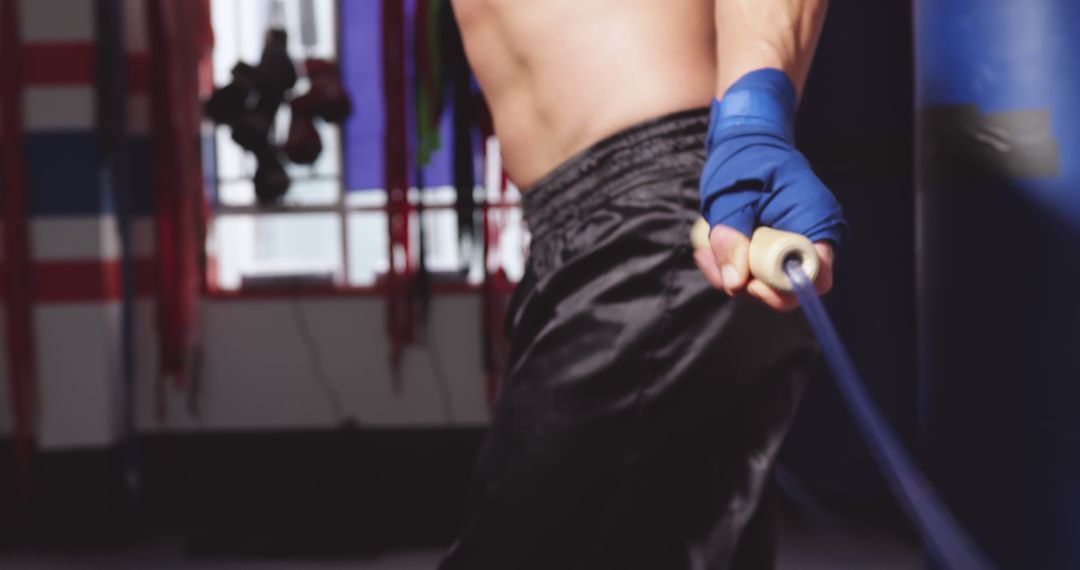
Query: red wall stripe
point(88, 281)
point(54, 64)
point(59, 64)
point(138, 72)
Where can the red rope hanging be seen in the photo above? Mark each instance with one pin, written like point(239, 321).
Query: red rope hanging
point(180, 39)
point(17, 265)
point(399, 317)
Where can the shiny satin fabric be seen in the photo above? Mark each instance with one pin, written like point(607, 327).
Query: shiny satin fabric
point(641, 410)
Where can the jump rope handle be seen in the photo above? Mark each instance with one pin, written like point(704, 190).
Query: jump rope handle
point(769, 250)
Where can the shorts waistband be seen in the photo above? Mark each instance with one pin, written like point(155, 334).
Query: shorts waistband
point(593, 176)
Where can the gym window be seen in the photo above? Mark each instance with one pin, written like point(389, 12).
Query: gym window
point(330, 228)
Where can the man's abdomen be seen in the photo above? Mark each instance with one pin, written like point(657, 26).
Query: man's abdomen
point(560, 75)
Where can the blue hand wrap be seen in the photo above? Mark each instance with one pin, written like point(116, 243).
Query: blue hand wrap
point(754, 175)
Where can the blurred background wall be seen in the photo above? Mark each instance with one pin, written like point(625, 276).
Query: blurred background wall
point(290, 429)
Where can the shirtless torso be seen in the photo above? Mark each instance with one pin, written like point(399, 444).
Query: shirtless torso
point(613, 445)
point(560, 75)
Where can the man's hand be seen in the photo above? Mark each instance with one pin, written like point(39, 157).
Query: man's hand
point(754, 176)
point(726, 265)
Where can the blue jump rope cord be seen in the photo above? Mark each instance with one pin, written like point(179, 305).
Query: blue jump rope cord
point(946, 542)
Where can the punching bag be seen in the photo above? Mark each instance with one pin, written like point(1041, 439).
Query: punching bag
point(998, 228)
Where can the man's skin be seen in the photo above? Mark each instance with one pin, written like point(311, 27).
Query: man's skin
point(560, 75)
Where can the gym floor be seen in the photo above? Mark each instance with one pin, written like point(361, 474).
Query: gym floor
point(850, 548)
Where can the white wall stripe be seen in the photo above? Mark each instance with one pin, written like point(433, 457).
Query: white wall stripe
point(59, 108)
point(138, 114)
point(257, 374)
point(136, 36)
point(57, 20)
point(72, 238)
point(77, 375)
point(72, 108)
point(143, 240)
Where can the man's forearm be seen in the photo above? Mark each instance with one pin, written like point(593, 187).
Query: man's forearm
point(756, 34)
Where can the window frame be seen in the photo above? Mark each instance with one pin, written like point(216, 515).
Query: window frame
point(489, 200)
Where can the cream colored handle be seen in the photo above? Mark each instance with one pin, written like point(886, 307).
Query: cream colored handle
point(699, 234)
point(769, 249)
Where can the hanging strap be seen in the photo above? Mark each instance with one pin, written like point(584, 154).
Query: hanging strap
point(464, 121)
point(179, 40)
point(17, 270)
point(395, 155)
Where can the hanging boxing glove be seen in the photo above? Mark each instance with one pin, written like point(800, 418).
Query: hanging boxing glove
point(271, 180)
point(304, 144)
point(252, 132)
point(227, 104)
point(327, 98)
point(275, 74)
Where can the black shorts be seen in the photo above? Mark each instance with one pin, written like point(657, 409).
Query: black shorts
point(641, 410)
